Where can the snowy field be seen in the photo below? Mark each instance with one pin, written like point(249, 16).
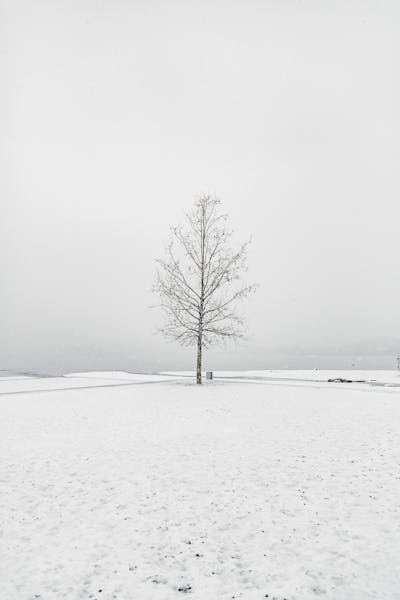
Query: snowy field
point(236, 490)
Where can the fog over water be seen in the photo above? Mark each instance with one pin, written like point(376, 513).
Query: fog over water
point(115, 116)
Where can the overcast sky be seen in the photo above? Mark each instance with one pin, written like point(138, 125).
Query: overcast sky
point(115, 115)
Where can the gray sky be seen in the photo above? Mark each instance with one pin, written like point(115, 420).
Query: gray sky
point(115, 115)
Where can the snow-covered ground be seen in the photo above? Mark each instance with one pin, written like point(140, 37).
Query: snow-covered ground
point(123, 376)
point(233, 490)
point(18, 385)
point(378, 377)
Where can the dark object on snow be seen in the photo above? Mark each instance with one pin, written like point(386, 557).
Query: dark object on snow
point(185, 589)
point(341, 380)
point(209, 375)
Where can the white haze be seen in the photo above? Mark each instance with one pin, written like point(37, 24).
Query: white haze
point(115, 115)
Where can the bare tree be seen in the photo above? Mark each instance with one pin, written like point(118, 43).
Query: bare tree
point(199, 281)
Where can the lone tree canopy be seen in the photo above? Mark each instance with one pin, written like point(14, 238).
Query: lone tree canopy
point(199, 281)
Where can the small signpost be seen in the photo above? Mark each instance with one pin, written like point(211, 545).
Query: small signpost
point(209, 375)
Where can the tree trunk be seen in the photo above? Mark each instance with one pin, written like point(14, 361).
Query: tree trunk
point(201, 307)
point(199, 357)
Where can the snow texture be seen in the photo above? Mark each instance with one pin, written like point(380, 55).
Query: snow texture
point(229, 491)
